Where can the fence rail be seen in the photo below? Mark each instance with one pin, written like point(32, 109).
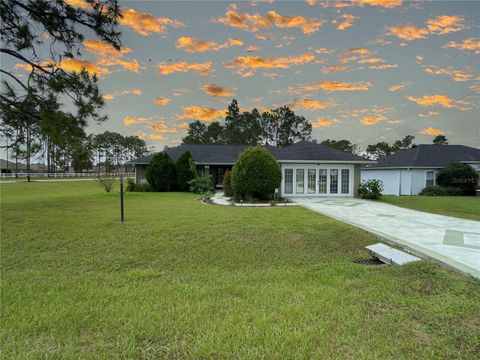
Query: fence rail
point(60, 175)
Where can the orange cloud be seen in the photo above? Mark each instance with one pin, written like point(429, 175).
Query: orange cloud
point(76, 65)
point(204, 69)
point(431, 131)
point(115, 94)
point(128, 120)
point(330, 69)
point(109, 56)
point(383, 66)
point(252, 48)
point(191, 45)
point(163, 128)
point(373, 119)
point(201, 113)
point(161, 100)
point(157, 137)
point(456, 75)
point(400, 86)
point(247, 65)
point(348, 21)
point(81, 4)
point(439, 100)
point(180, 91)
point(146, 24)
point(408, 32)
point(445, 24)
point(371, 61)
point(428, 114)
point(216, 90)
point(312, 104)
point(324, 122)
point(255, 22)
point(382, 3)
point(469, 44)
point(323, 51)
point(329, 86)
point(360, 51)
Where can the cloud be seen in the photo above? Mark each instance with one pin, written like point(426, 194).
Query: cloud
point(440, 100)
point(456, 75)
point(469, 44)
point(204, 69)
point(113, 95)
point(216, 90)
point(108, 56)
point(255, 22)
point(323, 51)
point(161, 100)
point(428, 114)
point(201, 113)
point(440, 25)
point(252, 48)
point(163, 128)
point(330, 86)
point(400, 86)
point(81, 4)
point(373, 119)
point(146, 24)
point(381, 3)
point(431, 131)
point(129, 120)
point(383, 66)
point(360, 51)
point(312, 104)
point(246, 65)
point(180, 91)
point(76, 65)
point(157, 137)
point(330, 69)
point(324, 122)
point(371, 61)
point(192, 45)
point(348, 21)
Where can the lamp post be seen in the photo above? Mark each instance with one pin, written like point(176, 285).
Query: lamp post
point(121, 173)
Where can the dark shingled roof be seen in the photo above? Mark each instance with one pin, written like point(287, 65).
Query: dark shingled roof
point(432, 156)
point(228, 154)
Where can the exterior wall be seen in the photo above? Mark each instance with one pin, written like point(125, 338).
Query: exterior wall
point(357, 176)
point(405, 182)
point(389, 178)
point(317, 167)
point(140, 174)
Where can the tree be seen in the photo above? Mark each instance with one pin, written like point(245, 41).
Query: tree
point(440, 140)
point(53, 29)
point(233, 131)
point(185, 170)
point(379, 150)
point(343, 145)
point(196, 133)
point(282, 127)
point(405, 143)
point(256, 174)
point(160, 172)
point(214, 134)
point(460, 176)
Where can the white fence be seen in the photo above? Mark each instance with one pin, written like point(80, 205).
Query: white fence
point(60, 175)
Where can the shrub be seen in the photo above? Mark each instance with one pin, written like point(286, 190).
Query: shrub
point(160, 173)
point(201, 185)
point(256, 174)
point(460, 176)
point(370, 189)
point(227, 184)
point(185, 170)
point(106, 182)
point(441, 191)
point(134, 187)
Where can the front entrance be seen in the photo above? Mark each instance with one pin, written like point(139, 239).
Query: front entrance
point(217, 173)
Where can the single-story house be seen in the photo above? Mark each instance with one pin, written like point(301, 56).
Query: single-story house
point(308, 169)
point(407, 172)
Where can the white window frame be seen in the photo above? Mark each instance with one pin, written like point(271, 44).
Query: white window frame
point(434, 177)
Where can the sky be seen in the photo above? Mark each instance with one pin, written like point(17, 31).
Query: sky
point(362, 70)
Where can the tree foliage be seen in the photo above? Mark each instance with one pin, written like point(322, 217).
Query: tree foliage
point(440, 140)
point(185, 170)
point(458, 175)
point(256, 174)
point(160, 172)
point(370, 189)
point(343, 145)
point(227, 184)
point(382, 149)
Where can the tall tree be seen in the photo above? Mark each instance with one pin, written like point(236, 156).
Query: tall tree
point(343, 145)
point(405, 143)
point(282, 127)
point(440, 140)
point(196, 133)
point(379, 150)
point(214, 134)
point(233, 130)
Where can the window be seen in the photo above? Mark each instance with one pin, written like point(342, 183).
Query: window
point(345, 181)
point(220, 175)
point(300, 181)
point(430, 178)
point(288, 181)
point(311, 181)
point(333, 181)
point(322, 181)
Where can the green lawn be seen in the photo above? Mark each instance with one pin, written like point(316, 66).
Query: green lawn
point(467, 207)
point(183, 280)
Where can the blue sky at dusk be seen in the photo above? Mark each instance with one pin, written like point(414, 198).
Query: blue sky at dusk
point(366, 70)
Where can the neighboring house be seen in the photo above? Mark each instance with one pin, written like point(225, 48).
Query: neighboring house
point(407, 172)
point(308, 169)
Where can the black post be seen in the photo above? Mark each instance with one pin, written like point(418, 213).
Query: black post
point(121, 199)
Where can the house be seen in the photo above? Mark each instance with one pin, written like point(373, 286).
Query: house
point(407, 172)
point(308, 169)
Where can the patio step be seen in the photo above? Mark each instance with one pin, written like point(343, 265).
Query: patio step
point(390, 255)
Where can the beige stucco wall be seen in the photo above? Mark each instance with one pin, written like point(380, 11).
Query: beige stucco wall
point(357, 171)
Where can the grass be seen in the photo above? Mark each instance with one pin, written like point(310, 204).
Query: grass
point(183, 280)
point(467, 207)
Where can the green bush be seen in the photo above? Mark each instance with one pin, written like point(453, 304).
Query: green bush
point(370, 189)
point(185, 170)
point(255, 174)
point(132, 186)
point(160, 173)
point(227, 184)
point(106, 182)
point(458, 175)
point(441, 191)
point(202, 185)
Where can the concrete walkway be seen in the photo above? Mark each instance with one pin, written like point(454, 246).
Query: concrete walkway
point(452, 241)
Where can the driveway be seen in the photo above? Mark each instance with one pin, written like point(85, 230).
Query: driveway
point(452, 241)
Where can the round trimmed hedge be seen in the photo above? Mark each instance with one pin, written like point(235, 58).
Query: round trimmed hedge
point(256, 174)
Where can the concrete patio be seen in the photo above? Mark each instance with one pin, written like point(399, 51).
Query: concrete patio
point(452, 241)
